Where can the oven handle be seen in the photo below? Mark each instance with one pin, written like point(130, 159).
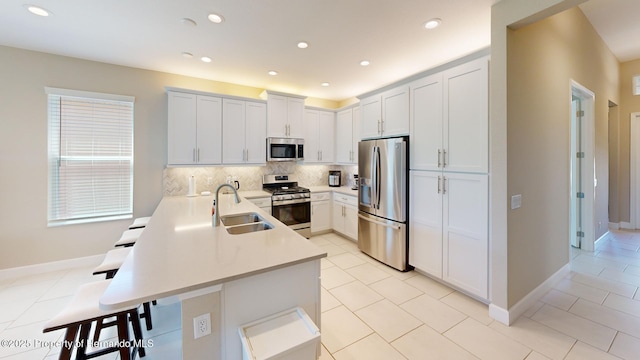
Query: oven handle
point(394, 227)
point(289, 202)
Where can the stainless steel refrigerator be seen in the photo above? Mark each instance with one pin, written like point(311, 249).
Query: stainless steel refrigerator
point(382, 215)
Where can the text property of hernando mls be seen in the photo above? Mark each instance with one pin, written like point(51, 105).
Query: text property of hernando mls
point(39, 343)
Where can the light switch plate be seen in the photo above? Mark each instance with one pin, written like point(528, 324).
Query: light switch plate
point(516, 201)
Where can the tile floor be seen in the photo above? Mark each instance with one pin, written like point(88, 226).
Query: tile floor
point(370, 311)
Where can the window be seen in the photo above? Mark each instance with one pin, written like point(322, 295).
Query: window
point(90, 156)
point(636, 85)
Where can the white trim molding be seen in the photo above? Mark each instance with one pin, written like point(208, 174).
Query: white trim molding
point(509, 316)
point(61, 265)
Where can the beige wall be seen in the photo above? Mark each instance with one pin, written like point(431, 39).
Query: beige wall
point(24, 236)
point(628, 105)
point(542, 60)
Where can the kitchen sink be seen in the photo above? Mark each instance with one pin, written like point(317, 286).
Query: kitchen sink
point(247, 228)
point(238, 219)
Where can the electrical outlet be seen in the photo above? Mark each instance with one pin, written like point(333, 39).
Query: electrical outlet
point(201, 325)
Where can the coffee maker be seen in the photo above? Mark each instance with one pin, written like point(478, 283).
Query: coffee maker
point(334, 178)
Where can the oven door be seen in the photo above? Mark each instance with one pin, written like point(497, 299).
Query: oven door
point(294, 213)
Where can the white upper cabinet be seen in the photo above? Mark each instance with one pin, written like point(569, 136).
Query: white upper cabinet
point(385, 114)
point(244, 132)
point(194, 129)
point(450, 120)
point(285, 116)
point(347, 136)
point(319, 138)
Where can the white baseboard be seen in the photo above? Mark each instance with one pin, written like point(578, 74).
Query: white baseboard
point(509, 316)
point(50, 266)
point(601, 237)
point(626, 225)
point(614, 226)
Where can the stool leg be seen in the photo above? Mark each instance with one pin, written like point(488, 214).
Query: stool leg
point(146, 315)
point(123, 334)
point(137, 331)
point(83, 341)
point(69, 339)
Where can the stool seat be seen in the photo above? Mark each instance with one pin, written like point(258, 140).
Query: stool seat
point(140, 222)
point(82, 311)
point(112, 262)
point(129, 237)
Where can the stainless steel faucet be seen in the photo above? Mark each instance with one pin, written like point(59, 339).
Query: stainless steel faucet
point(216, 213)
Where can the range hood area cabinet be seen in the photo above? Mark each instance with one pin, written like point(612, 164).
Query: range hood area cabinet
point(347, 136)
point(449, 192)
point(319, 136)
point(194, 129)
point(244, 128)
point(385, 114)
point(285, 115)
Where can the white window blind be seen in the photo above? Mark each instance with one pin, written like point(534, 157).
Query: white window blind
point(636, 85)
point(90, 156)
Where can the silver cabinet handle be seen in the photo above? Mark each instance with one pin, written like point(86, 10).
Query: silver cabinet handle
point(444, 158)
point(394, 227)
point(438, 184)
point(247, 154)
point(439, 163)
point(444, 185)
point(198, 158)
point(193, 155)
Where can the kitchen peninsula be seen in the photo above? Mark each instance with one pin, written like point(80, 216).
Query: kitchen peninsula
point(236, 279)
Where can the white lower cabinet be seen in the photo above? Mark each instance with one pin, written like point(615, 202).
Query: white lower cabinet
point(448, 228)
point(320, 212)
point(345, 215)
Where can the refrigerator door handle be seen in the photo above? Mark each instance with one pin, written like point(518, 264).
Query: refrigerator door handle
point(394, 227)
point(377, 178)
point(373, 177)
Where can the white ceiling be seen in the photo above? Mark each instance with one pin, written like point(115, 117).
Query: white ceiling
point(261, 35)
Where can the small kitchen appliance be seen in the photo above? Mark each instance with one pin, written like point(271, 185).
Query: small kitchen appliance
point(290, 203)
point(334, 178)
point(355, 185)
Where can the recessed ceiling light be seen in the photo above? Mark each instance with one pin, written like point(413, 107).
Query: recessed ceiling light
point(432, 24)
point(303, 45)
point(206, 59)
point(36, 10)
point(187, 55)
point(325, 84)
point(273, 72)
point(188, 22)
point(215, 18)
point(364, 63)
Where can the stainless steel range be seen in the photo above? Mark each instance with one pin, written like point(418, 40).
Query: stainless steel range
point(290, 203)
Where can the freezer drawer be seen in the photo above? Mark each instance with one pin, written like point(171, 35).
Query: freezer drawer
point(384, 240)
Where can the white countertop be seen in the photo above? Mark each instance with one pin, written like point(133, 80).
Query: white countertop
point(342, 189)
point(179, 251)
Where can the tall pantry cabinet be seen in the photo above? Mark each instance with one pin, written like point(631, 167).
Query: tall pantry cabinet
point(449, 176)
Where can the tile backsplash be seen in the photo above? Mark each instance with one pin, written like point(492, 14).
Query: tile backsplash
point(176, 179)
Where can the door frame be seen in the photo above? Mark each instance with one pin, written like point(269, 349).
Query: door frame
point(634, 204)
point(587, 98)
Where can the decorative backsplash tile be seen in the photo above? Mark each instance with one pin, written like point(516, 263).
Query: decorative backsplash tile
point(176, 180)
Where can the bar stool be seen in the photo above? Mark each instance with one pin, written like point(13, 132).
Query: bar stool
point(110, 266)
point(139, 222)
point(82, 311)
point(129, 237)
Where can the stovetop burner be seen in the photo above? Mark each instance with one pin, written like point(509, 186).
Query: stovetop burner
point(286, 190)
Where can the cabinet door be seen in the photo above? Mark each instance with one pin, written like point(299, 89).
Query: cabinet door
point(295, 117)
point(351, 221)
point(465, 232)
point(337, 216)
point(311, 145)
point(320, 216)
point(209, 130)
point(466, 114)
point(276, 116)
point(356, 134)
point(426, 123)
point(256, 133)
point(344, 137)
point(233, 131)
point(370, 112)
point(425, 224)
point(326, 136)
point(181, 129)
point(395, 112)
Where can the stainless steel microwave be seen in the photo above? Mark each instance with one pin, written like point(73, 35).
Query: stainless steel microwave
point(285, 149)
